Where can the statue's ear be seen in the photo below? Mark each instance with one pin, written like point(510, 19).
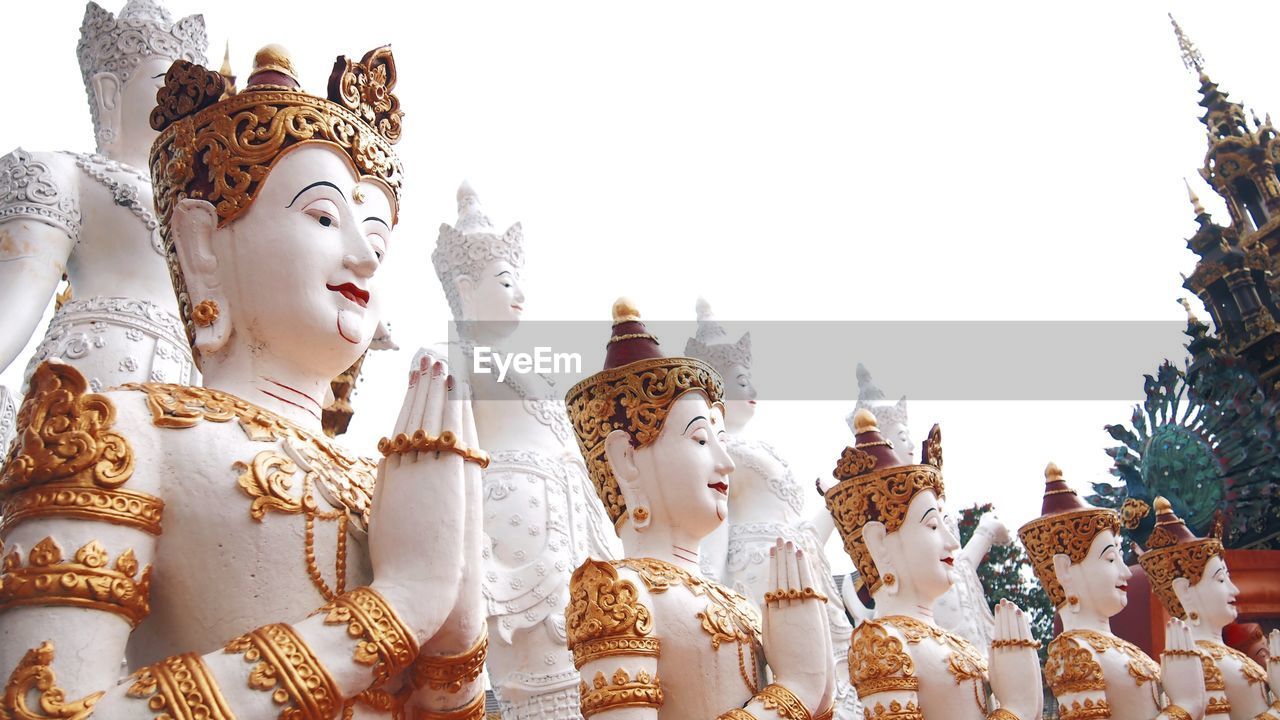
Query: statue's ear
point(1062, 569)
point(622, 459)
point(465, 285)
point(106, 91)
point(1182, 589)
point(193, 226)
point(876, 536)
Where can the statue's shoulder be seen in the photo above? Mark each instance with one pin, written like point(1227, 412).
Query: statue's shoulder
point(608, 612)
point(879, 660)
point(1072, 665)
point(41, 186)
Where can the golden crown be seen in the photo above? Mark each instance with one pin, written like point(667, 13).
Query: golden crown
point(1067, 525)
point(636, 397)
point(220, 147)
point(1174, 552)
point(874, 488)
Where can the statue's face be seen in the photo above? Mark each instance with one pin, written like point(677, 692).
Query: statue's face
point(898, 434)
point(138, 97)
point(739, 395)
point(1101, 580)
point(685, 471)
point(1215, 595)
point(299, 266)
point(921, 552)
point(494, 297)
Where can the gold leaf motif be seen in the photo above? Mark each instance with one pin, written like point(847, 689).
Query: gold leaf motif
point(604, 615)
point(86, 581)
point(622, 692)
point(1141, 667)
point(1069, 533)
point(1071, 668)
point(1250, 669)
point(34, 674)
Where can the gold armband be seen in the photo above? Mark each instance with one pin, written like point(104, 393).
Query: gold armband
point(784, 702)
point(619, 691)
point(86, 581)
point(737, 714)
point(1087, 710)
point(384, 640)
point(448, 673)
point(288, 668)
point(1002, 714)
point(606, 617)
point(893, 711)
point(1218, 706)
point(878, 662)
point(1175, 712)
point(473, 710)
point(34, 673)
point(181, 688)
point(68, 462)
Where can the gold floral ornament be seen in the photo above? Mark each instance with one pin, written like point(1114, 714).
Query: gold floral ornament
point(68, 461)
point(88, 580)
point(619, 691)
point(382, 638)
point(221, 148)
point(1132, 513)
point(1173, 552)
point(1066, 525)
point(605, 616)
point(633, 393)
point(875, 487)
point(34, 674)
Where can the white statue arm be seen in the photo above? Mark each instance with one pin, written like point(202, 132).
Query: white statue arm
point(990, 531)
point(39, 226)
point(76, 628)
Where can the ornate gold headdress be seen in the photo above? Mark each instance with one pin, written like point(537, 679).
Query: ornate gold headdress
point(220, 148)
point(875, 487)
point(1173, 551)
point(634, 392)
point(1066, 525)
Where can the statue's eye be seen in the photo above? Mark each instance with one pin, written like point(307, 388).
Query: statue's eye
point(324, 211)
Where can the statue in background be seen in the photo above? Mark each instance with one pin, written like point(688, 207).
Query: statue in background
point(248, 566)
point(542, 516)
point(765, 500)
point(90, 216)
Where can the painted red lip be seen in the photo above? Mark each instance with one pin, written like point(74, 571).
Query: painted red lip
point(1122, 588)
point(949, 561)
point(352, 293)
point(751, 402)
point(720, 487)
point(518, 307)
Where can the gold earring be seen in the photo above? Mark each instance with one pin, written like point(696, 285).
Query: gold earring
point(1195, 617)
point(205, 313)
point(1073, 600)
point(640, 514)
point(889, 579)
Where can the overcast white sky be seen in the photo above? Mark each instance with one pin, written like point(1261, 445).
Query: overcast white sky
point(827, 161)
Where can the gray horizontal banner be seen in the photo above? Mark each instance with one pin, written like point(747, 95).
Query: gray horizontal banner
point(800, 360)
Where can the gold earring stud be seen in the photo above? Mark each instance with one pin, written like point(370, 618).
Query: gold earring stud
point(640, 515)
point(205, 313)
point(1073, 600)
point(889, 579)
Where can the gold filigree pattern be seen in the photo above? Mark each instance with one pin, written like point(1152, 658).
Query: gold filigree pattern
point(1164, 564)
point(1069, 533)
point(1218, 706)
point(1071, 668)
point(382, 638)
point(180, 688)
point(619, 691)
point(605, 616)
point(879, 662)
point(88, 581)
point(449, 673)
point(473, 710)
point(1141, 667)
point(1132, 512)
point(964, 663)
point(779, 699)
point(34, 674)
point(287, 668)
point(636, 398)
point(1089, 709)
point(893, 711)
point(1249, 668)
point(223, 150)
point(68, 462)
point(736, 714)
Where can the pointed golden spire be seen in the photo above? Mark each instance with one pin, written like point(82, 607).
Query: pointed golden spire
point(1191, 56)
point(1195, 201)
point(226, 71)
point(1191, 316)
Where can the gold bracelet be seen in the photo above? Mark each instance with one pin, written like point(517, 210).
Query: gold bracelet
point(1033, 645)
point(181, 688)
point(421, 442)
point(119, 506)
point(288, 668)
point(448, 673)
point(473, 710)
point(34, 673)
point(737, 714)
point(807, 593)
point(384, 639)
point(1002, 714)
point(1175, 712)
point(619, 691)
point(781, 700)
point(1183, 653)
point(86, 581)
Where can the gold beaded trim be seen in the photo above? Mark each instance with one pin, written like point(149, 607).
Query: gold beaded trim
point(1174, 712)
point(894, 711)
point(288, 668)
point(473, 710)
point(87, 581)
point(1002, 714)
point(737, 714)
point(448, 673)
point(420, 441)
point(619, 691)
point(34, 673)
point(590, 650)
point(384, 639)
point(1088, 710)
point(118, 507)
point(181, 688)
point(784, 702)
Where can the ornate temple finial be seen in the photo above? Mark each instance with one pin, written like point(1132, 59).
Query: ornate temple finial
point(226, 72)
point(864, 421)
point(1195, 201)
point(1191, 56)
point(1191, 316)
point(624, 310)
point(1052, 472)
point(710, 330)
point(273, 65)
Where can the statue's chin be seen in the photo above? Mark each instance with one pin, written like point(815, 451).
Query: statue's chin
point(351, 327)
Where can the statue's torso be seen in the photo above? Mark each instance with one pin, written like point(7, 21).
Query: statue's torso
point(1085, 660)
point(1243, 680)
point(948, 674)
